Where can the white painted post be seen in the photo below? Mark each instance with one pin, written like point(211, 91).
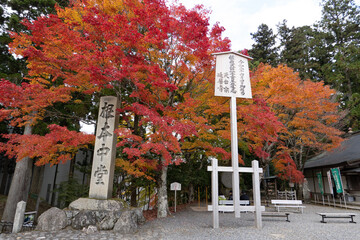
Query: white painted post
point(234, 157)
point(175, 186)
point(175, 200)
point(19, 217)
point(232, 80)
point(256, 193)
point(215, 192)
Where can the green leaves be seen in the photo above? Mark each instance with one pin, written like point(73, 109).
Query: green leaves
point(264, 49)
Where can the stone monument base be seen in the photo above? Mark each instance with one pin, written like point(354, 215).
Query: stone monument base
point(85, 212)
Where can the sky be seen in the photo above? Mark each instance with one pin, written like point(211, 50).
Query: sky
point(242, 17)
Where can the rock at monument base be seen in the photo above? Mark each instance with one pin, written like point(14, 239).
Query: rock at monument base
point(108, 222)
point(90, 229)
point(53, 219)
point(95, 204)
point(140, 216)
point(82, 215)
point(83, 219)
point(127, 223)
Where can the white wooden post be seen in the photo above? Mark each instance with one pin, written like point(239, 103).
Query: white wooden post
point(215, 192)
point(256, 193)
point(255, 170)
point(232, 80)
point(234, 157)
point(175, 186)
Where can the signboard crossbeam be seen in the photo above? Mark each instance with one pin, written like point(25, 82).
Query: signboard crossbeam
point(215, 208)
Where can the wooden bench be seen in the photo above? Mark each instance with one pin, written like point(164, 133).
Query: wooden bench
point(231, 202)
point(288, 204)
point(337, 215)
point(228, 206)
point(276, 214)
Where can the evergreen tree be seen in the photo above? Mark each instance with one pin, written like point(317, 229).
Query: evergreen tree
point(264, 49)
point(306, 50)
point(295, 48)
point(341, 21)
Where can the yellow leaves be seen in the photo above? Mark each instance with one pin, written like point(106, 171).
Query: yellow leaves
point(19, 44)
point(110, 7)
point(72, 15)
point(137, 169)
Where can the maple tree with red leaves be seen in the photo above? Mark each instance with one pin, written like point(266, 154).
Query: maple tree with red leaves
point(147, 54)
point(56, 147)
point(27, 102)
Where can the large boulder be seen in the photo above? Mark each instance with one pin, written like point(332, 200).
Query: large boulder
point(127, 223)
point(53, 219)
point(83, 219)
point(108, 222)
point(91, 213)
point(96, 205)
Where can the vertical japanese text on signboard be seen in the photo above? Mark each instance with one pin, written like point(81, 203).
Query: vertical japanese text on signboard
point(232, 77)
point(106, 113)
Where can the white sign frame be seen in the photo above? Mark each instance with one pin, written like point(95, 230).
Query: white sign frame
point(175, 186)
point(232, 78)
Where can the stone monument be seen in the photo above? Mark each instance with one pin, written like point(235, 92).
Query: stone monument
point(98, 212)
point(102, 173)
point(19, 216)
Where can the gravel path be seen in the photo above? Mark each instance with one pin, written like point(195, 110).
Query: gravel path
point(190, 224)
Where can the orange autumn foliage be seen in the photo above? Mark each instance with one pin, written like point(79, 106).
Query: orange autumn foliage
point(26, 103)
point(58, 146)
point(304, 107)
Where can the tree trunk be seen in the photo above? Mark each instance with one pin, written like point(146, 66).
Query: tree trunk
point(191, 193)
point(53, 195)
point(20, 184)
point(38, 190)
point(133, 196)
point(72, 167)
point(37, 177)
point(163, 208)
point(5, 176)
